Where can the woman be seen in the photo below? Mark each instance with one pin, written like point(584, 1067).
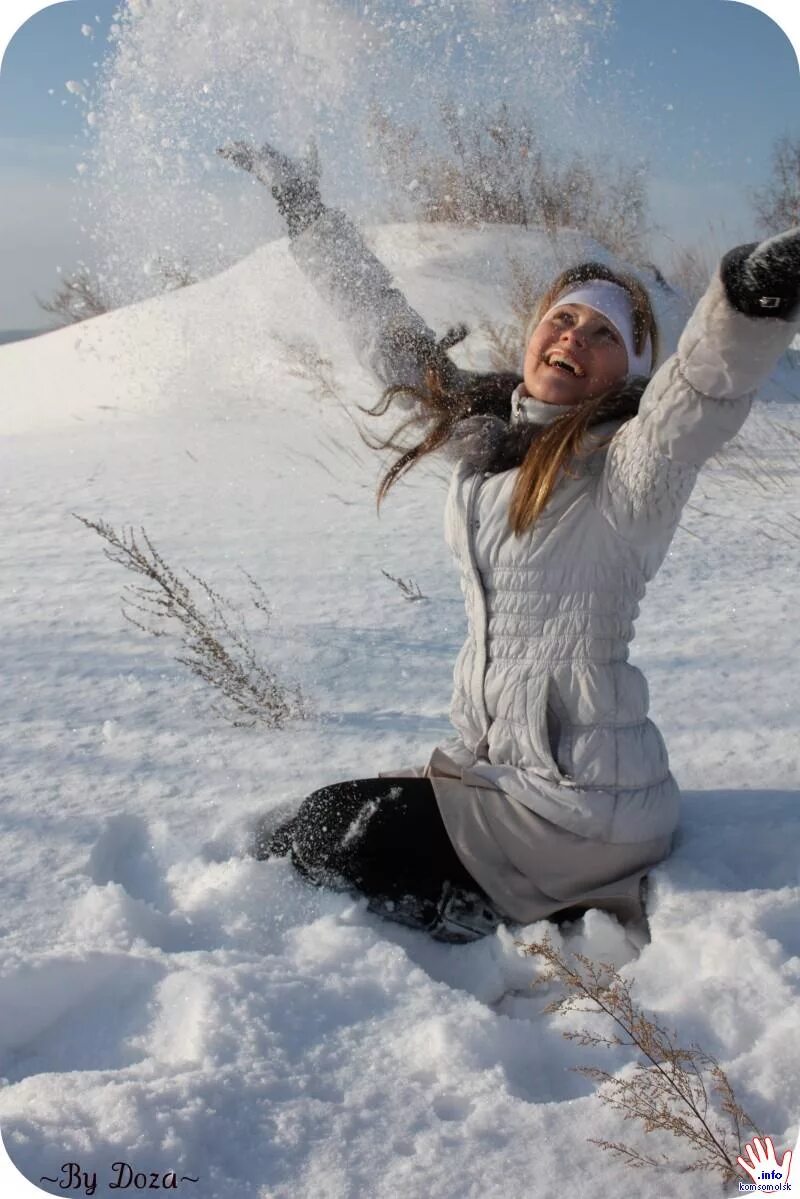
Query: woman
point(556, 793)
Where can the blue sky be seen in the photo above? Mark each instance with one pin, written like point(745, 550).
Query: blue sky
point(700, 88)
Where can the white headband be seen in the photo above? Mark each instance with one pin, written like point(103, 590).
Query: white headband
point(615, 304)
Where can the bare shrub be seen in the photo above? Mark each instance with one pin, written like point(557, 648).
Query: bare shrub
point(83, 295)
point(679, 1091)
point(478, 168)
point(213, 636)
point(79, 297)
point(174, 273)
point(777, 203)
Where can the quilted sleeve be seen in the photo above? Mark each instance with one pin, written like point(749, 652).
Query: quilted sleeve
point(692, 406)
point(388, 335)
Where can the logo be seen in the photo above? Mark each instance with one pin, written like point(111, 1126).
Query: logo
point(769, 1176)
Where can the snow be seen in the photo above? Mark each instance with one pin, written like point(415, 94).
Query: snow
point(169, 1002)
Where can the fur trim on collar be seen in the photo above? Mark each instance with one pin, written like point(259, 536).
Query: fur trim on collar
point(490, 444)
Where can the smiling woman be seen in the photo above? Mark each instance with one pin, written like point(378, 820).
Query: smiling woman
point(574, 355)
point(555, 794)
point(591, 346)
point(593, 329)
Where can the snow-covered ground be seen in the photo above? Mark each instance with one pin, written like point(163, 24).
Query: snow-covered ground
point(170, 1003)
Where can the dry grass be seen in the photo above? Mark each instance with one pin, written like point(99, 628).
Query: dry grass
point(409, 589)
point(691, 269)
point(674, 1092)
point(174, 273)
point(213, 638)
point(307, 363)
point(764, 457)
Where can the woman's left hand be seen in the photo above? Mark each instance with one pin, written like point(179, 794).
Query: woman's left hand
point(763, 278)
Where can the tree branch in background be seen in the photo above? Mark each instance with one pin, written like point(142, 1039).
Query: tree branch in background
point(672, 1088)
point(214, 639)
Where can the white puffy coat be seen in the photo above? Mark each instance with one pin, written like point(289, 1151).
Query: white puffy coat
point(558, 784)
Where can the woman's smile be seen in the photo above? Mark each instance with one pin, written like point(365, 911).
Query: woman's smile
point(574, 354)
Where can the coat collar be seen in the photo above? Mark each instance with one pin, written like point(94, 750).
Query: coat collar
point(525, 410)
point(490, 444)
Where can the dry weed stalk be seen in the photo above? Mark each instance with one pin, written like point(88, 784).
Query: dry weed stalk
point(214, 639)
point(526, 291)
point(764, 457)
point(309, 364)
point(408, 588)
point(670, 1091)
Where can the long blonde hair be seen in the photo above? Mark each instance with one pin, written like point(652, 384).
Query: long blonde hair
point(448, 396)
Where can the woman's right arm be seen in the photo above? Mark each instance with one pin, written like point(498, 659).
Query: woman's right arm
point(388, 335)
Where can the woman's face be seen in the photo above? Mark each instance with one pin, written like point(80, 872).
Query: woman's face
point(573, 355)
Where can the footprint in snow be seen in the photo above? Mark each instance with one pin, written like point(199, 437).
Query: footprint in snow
point(124, 854)
point(135, 903)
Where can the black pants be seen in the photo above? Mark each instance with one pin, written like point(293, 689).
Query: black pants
point(386, 839)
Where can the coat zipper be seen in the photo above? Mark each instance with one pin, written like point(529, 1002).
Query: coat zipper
point(480, 622)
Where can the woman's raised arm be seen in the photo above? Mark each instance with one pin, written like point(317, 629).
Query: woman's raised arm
point(388, 335)
point(701, 396)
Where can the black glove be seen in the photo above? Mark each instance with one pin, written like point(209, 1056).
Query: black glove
point(763, 278)
point(293, 182)
point(299, 202)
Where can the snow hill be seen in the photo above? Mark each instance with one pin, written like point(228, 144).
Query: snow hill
point(167, 1002)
